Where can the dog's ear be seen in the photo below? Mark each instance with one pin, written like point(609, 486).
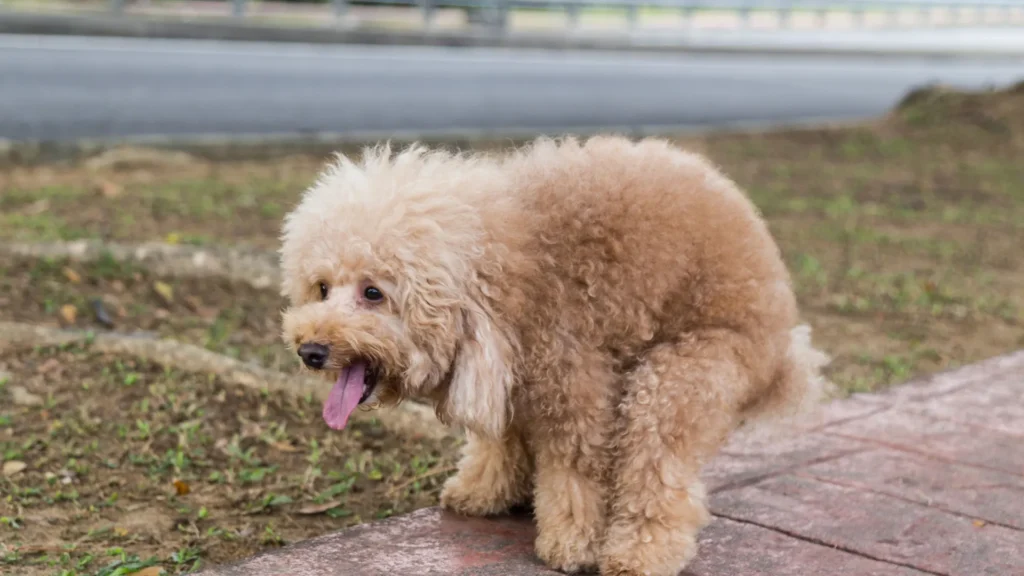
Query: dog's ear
point(482, 376)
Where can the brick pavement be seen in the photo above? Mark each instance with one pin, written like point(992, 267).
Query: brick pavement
point(927, 479)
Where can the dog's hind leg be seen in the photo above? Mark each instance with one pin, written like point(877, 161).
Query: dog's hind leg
point(493, 476)
point(680, 404)
point(570, 437)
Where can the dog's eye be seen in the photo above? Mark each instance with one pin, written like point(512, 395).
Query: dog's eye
point(373, 294)
point(323, 291)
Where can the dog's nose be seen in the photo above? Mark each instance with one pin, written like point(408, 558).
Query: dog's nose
point(313, 355)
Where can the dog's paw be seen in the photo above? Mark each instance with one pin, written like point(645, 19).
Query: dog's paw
point(472, 500)
point(614, 570)
point(611, 570)
point(567, 552)
point(652, 558)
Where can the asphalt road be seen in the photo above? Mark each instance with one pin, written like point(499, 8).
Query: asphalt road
point(60, 88)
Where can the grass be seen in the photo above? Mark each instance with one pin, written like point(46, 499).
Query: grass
point(179, 204)
point(903, 238)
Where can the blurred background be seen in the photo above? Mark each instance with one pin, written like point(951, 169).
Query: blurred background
point(368, 69)
point(151, 419)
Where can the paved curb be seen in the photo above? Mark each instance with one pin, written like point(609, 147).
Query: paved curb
point(225, 29)
point(407, 419)
point(256, 146)
point(258, 269)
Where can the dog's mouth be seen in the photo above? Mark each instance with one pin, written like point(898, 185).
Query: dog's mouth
point(355, 385)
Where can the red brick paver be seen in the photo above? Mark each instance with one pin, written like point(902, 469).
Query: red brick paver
point(925, 479)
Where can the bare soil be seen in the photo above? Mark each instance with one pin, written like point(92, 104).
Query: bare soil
point(132, 463)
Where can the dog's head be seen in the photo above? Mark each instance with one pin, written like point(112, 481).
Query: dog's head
point(380, 263)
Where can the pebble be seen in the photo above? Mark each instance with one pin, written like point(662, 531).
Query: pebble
point(22, 397)
point(12, 467)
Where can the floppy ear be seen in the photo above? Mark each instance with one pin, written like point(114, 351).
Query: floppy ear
point(482, 376)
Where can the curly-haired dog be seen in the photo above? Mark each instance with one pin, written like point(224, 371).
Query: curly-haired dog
point(598, 316)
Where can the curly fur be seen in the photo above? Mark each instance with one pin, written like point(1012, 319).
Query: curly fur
point(598, 315)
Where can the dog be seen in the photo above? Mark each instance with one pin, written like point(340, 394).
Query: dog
point(598, 315)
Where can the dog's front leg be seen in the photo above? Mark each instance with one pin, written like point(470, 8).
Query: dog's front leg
point(493, 476)
point(569, 508)
point(569, 435)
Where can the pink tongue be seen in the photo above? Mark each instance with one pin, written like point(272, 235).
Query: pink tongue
point(344, 396)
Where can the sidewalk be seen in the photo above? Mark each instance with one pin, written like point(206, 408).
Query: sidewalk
point(925, 479)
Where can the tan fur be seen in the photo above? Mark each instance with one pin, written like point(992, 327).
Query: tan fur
point(598, 315)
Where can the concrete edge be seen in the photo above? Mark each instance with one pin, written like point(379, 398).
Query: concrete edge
point(256, 268)
point(408, 418)
point(223, 28)
point(226, 147)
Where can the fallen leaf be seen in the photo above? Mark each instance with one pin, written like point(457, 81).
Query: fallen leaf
point(172, 238)
point(119, 531)
point(978, 523)
point(181, 487)
point(151, 571)
point(196, 305)
point(68, 313)
point(164, 290)
point(110, 189)
point(22, 397)
point(319, 508)
point(71, 275)
point(284, 447)
point(12, 467)
point(193, 303)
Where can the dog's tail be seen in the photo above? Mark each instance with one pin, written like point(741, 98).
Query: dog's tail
point(799, 386)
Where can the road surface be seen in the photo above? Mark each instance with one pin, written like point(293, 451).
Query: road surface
point(62, 88)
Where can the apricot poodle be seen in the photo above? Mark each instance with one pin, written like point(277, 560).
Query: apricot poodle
point(598, 316)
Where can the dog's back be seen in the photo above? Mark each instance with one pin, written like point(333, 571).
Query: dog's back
point(643, 243)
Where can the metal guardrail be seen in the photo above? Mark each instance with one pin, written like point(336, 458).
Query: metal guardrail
point(495, 12)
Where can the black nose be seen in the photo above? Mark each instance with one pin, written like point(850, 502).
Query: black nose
point(313, 355)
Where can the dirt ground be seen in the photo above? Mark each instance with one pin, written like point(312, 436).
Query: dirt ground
point(132, 463)
point(903, 236)
point(227, 317)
